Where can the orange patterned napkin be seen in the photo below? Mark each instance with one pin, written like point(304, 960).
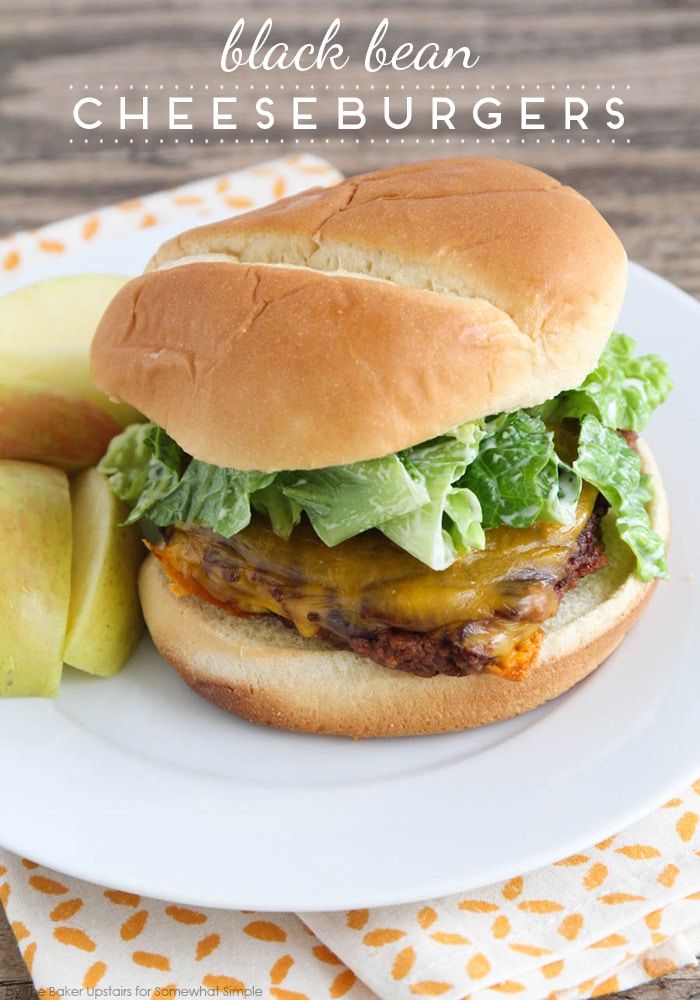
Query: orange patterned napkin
point(31, 252)
point(625, 911)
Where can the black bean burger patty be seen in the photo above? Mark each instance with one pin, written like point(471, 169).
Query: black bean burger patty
point(481, 614)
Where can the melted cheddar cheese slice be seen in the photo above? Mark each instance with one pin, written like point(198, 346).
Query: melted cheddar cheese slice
point(490, 602)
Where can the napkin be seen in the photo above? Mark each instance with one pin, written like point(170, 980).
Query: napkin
point(617, 914)
point(38, 253)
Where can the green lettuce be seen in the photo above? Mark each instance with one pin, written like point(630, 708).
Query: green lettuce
point(127, 462)
point(518, 476)
point(436, 499)
point(449, 522)
point(344, 500)
point(622, 391)
point(174, 490)
point(606, 460)
point(409, 495)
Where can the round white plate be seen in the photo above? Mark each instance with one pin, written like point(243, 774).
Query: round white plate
point(136, 783)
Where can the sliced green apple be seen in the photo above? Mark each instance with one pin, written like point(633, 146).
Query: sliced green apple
point(50, 408)
point(35, 515)
point(104, 621)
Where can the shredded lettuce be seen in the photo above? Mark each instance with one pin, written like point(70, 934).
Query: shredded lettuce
point(436, 499)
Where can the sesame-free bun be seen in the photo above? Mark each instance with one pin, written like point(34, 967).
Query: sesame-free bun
point(266, 673)
point(346, 323)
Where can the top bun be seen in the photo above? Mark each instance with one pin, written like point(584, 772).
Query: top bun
point(346, 323)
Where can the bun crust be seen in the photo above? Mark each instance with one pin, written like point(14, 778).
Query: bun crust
point(268, 674)
point(395, 305)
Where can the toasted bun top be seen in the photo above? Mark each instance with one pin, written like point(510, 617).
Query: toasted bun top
point(349, 322)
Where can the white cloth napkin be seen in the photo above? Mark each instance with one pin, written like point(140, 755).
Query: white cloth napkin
point(625, 911)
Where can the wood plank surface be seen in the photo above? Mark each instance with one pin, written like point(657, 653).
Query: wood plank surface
point(645, 181)
point(644, 177)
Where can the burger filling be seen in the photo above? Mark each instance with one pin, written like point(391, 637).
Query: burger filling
point(446, 557)
point(484, 612)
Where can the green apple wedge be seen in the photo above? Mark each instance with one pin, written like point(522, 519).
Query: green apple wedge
point(104, 620)
point(35, 515)
point(51, 411)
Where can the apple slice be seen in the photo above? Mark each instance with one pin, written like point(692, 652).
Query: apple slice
point(50, 408)
point(35, 515)
point(104, 620)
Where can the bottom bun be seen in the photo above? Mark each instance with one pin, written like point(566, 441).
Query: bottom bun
point(262, 671)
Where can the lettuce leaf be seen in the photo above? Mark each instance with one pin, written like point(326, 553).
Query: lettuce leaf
point(449, 523)
point(622, 391)
point(518, 476)
point(126, 462)
point(409, 495)
point(343, 500)
point(436, 499)
point(174, 490)
point(284, 514)
point(606, 460)
point(209, 495)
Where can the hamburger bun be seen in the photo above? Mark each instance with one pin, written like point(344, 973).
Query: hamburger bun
point(266, 673)
point(345, 324)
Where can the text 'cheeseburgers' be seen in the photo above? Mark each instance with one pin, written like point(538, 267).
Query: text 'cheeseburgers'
point(392, 450)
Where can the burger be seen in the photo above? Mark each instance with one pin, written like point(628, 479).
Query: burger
point(391, 449)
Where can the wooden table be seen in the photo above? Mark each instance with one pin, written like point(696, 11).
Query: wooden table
point(643, 176)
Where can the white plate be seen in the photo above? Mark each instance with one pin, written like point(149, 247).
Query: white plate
point(136, 783)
